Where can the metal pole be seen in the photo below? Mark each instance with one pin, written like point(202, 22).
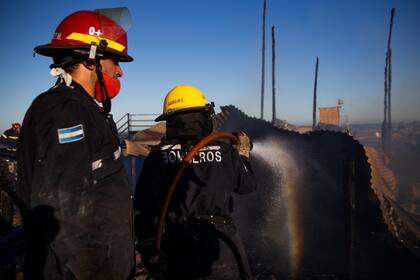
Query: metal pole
point(128, 126)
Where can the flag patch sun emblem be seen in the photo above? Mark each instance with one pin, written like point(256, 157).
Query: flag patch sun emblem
point(70, 134)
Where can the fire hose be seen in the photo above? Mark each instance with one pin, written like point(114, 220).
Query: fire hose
point(184, 163)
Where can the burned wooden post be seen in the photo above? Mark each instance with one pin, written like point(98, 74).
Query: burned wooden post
point(315, 87)
point(391, 24)
point(386, 124)
point(385, 121)
point(273, 73)
point(263, 61)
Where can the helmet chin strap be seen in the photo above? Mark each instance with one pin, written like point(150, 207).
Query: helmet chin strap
point(106, 103)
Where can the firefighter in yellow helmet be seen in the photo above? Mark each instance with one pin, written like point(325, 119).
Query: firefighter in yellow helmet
point(200, 240)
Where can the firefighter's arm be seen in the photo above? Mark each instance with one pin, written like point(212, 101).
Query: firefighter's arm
point(246, 178)
point(63, 161)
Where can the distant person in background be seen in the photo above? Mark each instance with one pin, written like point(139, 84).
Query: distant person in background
point(12, 133)
point(71, 177)
point(200, 240)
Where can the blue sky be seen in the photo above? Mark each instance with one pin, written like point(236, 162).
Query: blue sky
point(216, 46)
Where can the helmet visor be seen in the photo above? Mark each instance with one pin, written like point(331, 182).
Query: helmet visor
point(115, 21)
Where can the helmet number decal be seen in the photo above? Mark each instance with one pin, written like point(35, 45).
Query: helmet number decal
point(93, 31)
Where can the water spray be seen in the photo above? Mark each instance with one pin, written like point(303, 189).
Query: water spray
point(281, 161)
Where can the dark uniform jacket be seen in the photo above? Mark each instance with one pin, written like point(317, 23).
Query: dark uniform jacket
point(199, 215)
point(72, 178)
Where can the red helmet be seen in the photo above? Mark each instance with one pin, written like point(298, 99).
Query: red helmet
point(82, 29)
point(16, 125)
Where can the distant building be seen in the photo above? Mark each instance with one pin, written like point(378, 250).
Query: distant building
point(329, 119)
point(329, 115)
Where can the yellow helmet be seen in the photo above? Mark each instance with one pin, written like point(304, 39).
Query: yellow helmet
point(184, 98)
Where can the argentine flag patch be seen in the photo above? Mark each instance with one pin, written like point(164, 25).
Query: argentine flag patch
point(70, 134)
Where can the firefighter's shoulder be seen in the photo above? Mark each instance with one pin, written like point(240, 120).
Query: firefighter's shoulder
point(58, 100)
point(52, 96)
point(223, 144)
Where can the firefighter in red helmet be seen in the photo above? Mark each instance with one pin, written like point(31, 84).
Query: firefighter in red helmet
point(71, 176)
point(12, 133)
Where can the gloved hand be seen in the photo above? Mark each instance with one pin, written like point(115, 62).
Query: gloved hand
point(155, 261)
point(243, 145)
